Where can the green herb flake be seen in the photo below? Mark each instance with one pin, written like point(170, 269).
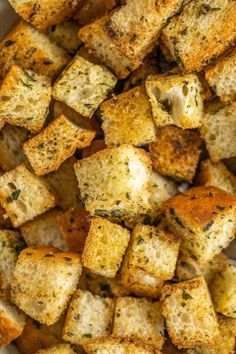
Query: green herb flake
point(87, 335)
point(41, 146)
point(140, 240)
point(186, 296)
point(14, 196)
point(185, 90)
point(26, 84)
point(208, 226)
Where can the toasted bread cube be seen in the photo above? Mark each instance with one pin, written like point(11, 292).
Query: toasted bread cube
point(219, 130)
point(11, 244)
point(30, 49)
point(84, 85)
point(47, 150)
point(93, 9)
point(44, 231)
point(64, 184)
point(45, 13)
point(25, 98)
point(12, 322)
point(115, 181)
point(175, 99)
point(95, 146)
point(74, 225)
point(127, 119)
point(191, 36)
point(18, 189)
point(205, 220)
point(189, 313)
point(108, 345)
point(43, 281)
point(176, 152)
point(223, 291)
point(153, 251)
point(88, 316)
point(105, 247)
point(139, 319)
point(58, 349)
point(222, 77)
point(216, 174)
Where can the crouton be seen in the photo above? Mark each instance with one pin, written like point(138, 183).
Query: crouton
point(84, 85)
point(64, 184)
point(47, 150)
point(223, 291)
point(11, 152)
point(95, 146)
point(192, 37)
point(58, 349)
point(189, 313)
point(26, 47)
point(43, 281)
point(25, 98)
point(127, 119)
point(105, 247)
point(93, 9)
point(18, 189)
point(219, 130)
point(176, 152)
point(108, 345)
point(44, 13)
point(11, 244)
point(44, 231)
point(139, 319)
point(175, 99)
point(154, 252)
point(88, 316)
point(205, 220)
point(12, 323)
point(222, 76)
point(216, 174)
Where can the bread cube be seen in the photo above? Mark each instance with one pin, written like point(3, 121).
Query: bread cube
point(44, 13)
point(107, 345)
point(25, 98)
point(127, 119)
point(47, 150)
point(18, 189)
point(84, 85)
point(175, 99)
point(43, 281)
point(191, 36)
point(88, 316)
point(30, 49)
point(12, 322)
point(189, 313)
point(58, 349)
point(223, 291)
point(105, 247)
point(139, 319)
point(205, 220)
point(176, 152)
point(222, 76)
point(11, 244)
point(93, 9)
point(219, 130)
point(216, 174)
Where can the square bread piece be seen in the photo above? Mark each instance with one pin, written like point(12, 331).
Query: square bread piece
point(43, 281)
point(192, 37)
point(219, 130)
point(30, 49)
point(88, 316)
point(57, 142)
point(115, 181)
point(139, 319)
point(12, 322)
point(222, 77)
point(105, 247)
point(25, 98)
point(127, 119)
point(223, 291)
point(176, 152)
point(189, 313)
point(45, 13)
point(18, 191)
point(84, 85)
point(175, 99)
point(58, 349)
point(205, 220)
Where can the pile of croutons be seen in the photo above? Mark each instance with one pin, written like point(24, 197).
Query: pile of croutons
point(117, 187)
